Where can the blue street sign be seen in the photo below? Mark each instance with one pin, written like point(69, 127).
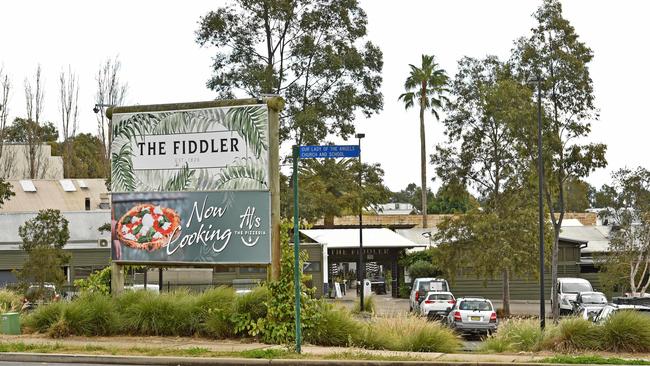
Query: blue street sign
point(329, 151)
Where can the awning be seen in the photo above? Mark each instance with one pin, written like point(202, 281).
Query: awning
point(349, 238)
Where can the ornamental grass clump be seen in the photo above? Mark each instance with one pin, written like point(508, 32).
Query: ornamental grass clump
point(335, 326)
point(573, 334)
point(170, 314)
point(216, 308)
point(515, 335)
point(408, 334)
point(89, 315)
point(626, 331)
point(41, 319)
point(9, 301)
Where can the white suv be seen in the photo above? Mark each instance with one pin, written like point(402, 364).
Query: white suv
point(422, 286)
point(473, 315)
point(437, 305)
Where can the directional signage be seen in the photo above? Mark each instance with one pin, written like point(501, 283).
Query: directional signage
point(329, 151)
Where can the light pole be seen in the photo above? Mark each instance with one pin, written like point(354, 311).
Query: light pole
point(540, 203)
point(360, 270)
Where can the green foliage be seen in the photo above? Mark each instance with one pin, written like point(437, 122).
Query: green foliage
point(314, 55)
point(28, 131)
point(626, 331)
point(279, 324)
point(335, 327)
point(577, 195)
point(86, 158)
point(408, 334)
point(217, 309)
point(97, 282)
point(89, 315)
point(5, 191)
point(330, 187)
point(425, 87)
point(44, 317)
point(368, 305)
point(515, 335)
point(251, 310)
point(43, 239)
point(9, 301)
point(629, 248)
point(422, 269)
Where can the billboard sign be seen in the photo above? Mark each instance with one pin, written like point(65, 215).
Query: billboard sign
point(191, 186)
point(209, 149)
point(192, 227)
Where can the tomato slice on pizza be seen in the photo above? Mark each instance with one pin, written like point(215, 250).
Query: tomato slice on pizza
point(147, 226)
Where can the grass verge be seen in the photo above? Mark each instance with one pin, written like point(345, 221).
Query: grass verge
point(266, 353)
point(593, 360)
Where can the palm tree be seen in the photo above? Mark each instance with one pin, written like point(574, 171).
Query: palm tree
point(426, 84)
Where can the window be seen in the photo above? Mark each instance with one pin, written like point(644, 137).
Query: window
point(440, 297)
point(480, 305)
point(252, 270)
point(311, 267)
point(28, 186)
point(67, 185)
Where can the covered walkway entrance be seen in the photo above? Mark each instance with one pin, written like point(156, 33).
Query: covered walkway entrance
point(381, 249)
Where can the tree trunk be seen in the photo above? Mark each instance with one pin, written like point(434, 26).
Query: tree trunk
point(506, 293)
point(554, 264)
point(423, 160)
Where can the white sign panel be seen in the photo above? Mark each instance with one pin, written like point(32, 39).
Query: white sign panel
point(211, 149)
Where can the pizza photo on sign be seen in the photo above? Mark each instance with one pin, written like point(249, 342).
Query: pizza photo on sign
point(148, 227)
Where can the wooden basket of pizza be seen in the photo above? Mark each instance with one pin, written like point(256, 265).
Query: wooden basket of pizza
point(148, 227)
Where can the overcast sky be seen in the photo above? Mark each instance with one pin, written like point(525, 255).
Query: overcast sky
point(162, 63)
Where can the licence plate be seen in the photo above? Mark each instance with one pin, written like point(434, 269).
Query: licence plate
point(475, 318)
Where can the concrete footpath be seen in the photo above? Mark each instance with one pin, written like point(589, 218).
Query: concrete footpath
point(115, 344)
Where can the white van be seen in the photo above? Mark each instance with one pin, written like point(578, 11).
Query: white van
point(567, 291)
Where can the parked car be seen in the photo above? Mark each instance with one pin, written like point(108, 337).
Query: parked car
point(140, 287)
point(610, 309)
point(567, 292)
point(35, 296)
point(473, 315)
point(589, 304)
point(437, 305)
point(423, 285)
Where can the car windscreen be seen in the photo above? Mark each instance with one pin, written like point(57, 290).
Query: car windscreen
point(575, 287)
point(440, 297)
point(474, 305)
point(593, 299)
point(433, 286)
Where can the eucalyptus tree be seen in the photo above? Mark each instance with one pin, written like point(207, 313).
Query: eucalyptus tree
point(312, 53)
point(554, 52)
point(499, 240)
point(425, 86)
point(627, 262)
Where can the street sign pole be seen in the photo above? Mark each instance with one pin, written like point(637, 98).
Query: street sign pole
point(296, 245)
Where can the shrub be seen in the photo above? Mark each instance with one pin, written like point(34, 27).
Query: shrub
point(216, 309)
point(334, 327)
point(44, 316)
point(573, 334)
point(422, 269)
point(249, 309)
point(409, 334)
point(515, 335)
point(627, 331)
point(9, 301)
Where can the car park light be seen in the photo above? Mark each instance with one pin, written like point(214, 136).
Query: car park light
point(452, 302)
point(493, 317)
point(428, 301)
point(417, 295)
point(457, 317)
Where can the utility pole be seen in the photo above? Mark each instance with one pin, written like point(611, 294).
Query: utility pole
point(361, 271)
